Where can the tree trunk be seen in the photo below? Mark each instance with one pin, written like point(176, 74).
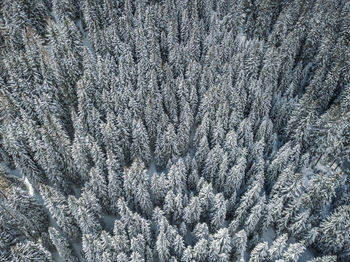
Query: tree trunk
point(319, 158)
point(337, 166)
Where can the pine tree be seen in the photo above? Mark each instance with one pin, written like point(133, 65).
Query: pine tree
point(87, 212)
point(162, 244)
point(140, 145)
point(159, 186)
point(277, 247)
point(60, 211)
point(200, 250)
point(98, 186)
point(167, 146)
point(293, 252)
point(137, 187)
point(192, 211)
point(239, 244)
point(212, 162)
point(218, 212)
point(259, 253)
point(27, 210)
point(333, 236)
point(62, 245)
point(187, 256)
point(324, 259)
point(30, 251)
point(177, 177)
point(115, 181)
point(220, 247)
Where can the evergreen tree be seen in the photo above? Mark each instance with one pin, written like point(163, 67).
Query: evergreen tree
point(60, 211)
point(62, 245)
point(259, 253)
point(137, 187)
point(30, 251)
point(277, 247)
point(220, 247)
point(332, 237)
point(87, 212)
point(293, 252)
point(140, 143)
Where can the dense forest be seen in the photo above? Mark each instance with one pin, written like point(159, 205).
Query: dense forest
point(174, 130)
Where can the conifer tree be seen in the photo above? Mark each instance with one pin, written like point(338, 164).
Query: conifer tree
point(140, 145)
point(278, 245)
point(87, 212)
point(60, 211)
point(62, 245)
point(332, 228)
point(30, 251)
point(259, 253)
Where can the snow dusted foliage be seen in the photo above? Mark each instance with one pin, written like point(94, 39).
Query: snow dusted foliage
point(174, 130)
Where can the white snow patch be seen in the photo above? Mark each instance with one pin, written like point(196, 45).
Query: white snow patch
point(108, 221)
point(307, 174)
point(85, 36)
point(269, 235)
point(323, 168)
point(306, 256)
point(151, 170)
point(13, 172)
point(29, 186)
point(55, 17)
point(56, 256)
point(77, 247)
point(76, 190)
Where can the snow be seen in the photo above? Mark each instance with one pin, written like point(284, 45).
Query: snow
point(29, 186)
point(77, 191)
point(54, 15)
point(77, 251)
point(269, 235)
point(151, 170)
point(15, 172)
point(307, 174)
point(108, 221)
point(323, 168)
point(86, 41)
point(345, 166)
point(306, 256)
point(56, 256)
point(191, 141)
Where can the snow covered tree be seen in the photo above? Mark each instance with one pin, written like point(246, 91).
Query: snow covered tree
point(239, 244)
point(137, 187)
point(203, 129)
point(115, 181)
point(62, 245)
point(140, 143)
point(163, 244)
point(293, 252)
point(27, 210)
point(87, 212)
point(60, 211)
point(220, 247)
point(192, 211)
point(324, 259)
point(30, 251)
point(259, 253)
point(333, 236)
point(277, 247)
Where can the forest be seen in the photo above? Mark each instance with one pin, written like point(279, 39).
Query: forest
point(175, 130)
